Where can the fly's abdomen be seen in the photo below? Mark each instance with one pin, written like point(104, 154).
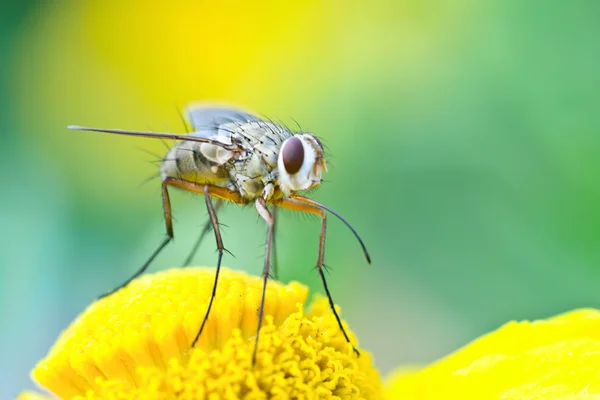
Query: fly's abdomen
point(195, 162)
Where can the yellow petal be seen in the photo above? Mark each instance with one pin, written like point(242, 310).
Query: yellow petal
point(557, 358)
point(32, 396)
point(135, 344)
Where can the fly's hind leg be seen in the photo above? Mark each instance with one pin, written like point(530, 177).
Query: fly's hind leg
point(209, 191)
point(165, 241)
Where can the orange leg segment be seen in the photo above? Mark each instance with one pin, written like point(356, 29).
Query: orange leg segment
point(298, 204)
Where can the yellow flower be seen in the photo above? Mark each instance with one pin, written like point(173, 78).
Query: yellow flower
point(558, 358)
point(135, 344)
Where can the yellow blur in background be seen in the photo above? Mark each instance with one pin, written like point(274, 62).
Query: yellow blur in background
point(463, 138)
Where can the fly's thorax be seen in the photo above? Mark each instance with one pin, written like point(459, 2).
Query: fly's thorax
point(251, 175)
point(300, 163)
point(197, 162)
point(259, 137)
point(254, 172)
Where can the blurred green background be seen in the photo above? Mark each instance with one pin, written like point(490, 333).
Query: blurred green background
point(464, 138)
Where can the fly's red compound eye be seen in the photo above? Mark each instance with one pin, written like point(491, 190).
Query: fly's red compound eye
point(293, 155)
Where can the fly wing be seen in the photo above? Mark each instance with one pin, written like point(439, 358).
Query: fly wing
point(216, 124)
point(206, 120)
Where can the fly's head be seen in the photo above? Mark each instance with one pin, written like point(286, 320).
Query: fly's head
point(300, 163)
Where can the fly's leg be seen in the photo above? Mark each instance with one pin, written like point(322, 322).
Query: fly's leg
point(165, 241)
point(320, 263)
point(298, 205)
point(320, 206)
point(217, 192)
point(212, 212)
point(261, 207)
point(205, 230)
point(274, 268)
point(209, 191)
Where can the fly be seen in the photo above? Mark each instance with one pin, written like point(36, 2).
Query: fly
point(235, 156)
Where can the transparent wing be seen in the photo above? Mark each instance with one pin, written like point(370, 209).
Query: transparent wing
point(206, 119)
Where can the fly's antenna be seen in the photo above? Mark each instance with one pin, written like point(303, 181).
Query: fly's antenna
point(326, 208)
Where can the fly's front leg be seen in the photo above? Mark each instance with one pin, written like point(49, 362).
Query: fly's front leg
point(261, 207)
point(165, 241)
point(320, 267)
point(275, 268)
point(215, 224)
point(298, 205)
